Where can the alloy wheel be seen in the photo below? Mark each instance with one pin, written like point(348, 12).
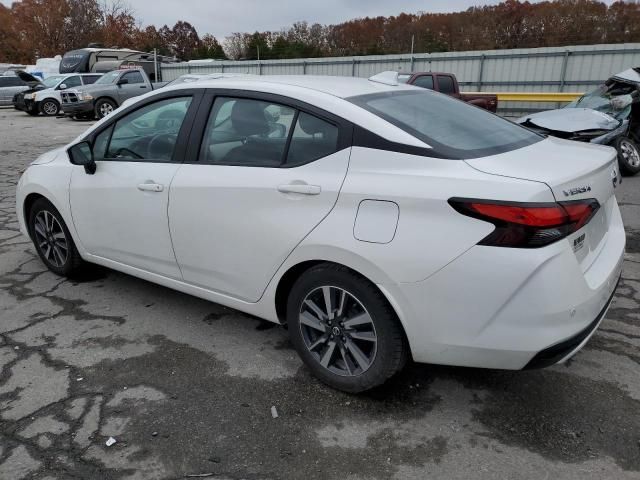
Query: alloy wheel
point(106, 109)
point(630, 153)
point(50, 108)
point(338, 331)
point(50, 238)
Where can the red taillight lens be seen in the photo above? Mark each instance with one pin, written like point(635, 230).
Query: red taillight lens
point(527, 225)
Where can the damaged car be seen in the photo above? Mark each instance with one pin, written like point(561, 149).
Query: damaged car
point(609, 115)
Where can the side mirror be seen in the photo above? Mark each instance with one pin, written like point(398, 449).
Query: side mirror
point(62, 86)
point(82, 154)
point(123, 81)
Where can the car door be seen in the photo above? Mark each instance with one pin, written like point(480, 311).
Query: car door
point(135, 86)
point(260, 178)
point(120, 211)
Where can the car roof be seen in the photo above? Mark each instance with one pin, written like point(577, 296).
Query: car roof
point(341, 87)
point(325, 92)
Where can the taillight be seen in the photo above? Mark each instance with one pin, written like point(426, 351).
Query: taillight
point(527, 225)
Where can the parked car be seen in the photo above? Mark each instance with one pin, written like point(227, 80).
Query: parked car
point(380, 222)
point(13, 82)
point(45, 98)
point(106, 94)
point(447, 83)
point(596, 118)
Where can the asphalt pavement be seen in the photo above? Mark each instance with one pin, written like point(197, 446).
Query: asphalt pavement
point(186, 387)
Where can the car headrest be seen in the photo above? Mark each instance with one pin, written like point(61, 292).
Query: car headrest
point(247, 118)
point(312, 125)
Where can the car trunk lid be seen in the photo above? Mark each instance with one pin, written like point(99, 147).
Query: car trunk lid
point(573, 171)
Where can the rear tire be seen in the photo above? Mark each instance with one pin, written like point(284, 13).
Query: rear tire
point(52, 240)
point(49, 107)
point(628, 155)
point(356, 346)
point(104, 107)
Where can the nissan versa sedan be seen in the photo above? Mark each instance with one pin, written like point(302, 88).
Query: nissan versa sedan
point(380, 222)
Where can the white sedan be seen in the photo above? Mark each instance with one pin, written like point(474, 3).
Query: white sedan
point(379, 221)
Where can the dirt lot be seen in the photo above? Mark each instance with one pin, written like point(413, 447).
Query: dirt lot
point(186, 387)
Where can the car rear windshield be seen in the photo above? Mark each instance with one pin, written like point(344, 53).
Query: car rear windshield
point(451, 127)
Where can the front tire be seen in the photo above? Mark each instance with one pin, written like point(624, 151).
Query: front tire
point(344, 329)
point(628, 155)
point(104, 107)
point(49, 107)
point(52, 239)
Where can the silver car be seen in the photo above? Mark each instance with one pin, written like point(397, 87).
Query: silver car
point(14, 82)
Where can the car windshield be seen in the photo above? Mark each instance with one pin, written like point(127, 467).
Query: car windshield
point(108, 78)
point(52, 81)
point(600, 99)
point(452, 128)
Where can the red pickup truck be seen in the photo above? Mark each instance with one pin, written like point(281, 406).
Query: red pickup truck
point(448, 84)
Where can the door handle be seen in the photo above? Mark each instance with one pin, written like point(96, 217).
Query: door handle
point(150, 187)
point(301, 188)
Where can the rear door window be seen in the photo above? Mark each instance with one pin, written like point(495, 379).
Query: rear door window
point(11, 82)
point(89, 79)
point(446, 85)
point(312, 138)
point(424, 81)
point(246, 132)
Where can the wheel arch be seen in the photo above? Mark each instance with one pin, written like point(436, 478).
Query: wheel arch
point(294, 272)
point(53, 99)
point(27, 205)
point(105, 97)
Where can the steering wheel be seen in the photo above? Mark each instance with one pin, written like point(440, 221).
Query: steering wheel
point(130, 153)
point(161, 145)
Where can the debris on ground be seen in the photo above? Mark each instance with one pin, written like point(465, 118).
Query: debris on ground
point(110, 441)
point(274, 412)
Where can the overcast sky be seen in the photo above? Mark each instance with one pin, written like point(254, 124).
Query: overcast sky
point(222, 17)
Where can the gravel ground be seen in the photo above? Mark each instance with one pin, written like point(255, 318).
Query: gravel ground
point(186, 387)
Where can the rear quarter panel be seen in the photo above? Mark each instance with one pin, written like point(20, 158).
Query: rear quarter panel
point(429, 234)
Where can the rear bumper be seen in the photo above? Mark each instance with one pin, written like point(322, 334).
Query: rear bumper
point(564, 350)
point(510, 308)
point(77, 108)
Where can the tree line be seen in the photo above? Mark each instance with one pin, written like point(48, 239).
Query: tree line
point(30, 29)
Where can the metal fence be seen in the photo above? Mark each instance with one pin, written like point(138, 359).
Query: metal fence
point(549, 69)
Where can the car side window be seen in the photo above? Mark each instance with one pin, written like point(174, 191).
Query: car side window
point(445, 84)
point(424, 81)
point(101, 143)
point(246, 132)
point(11, 82)
point(134, 77)
point(72, 81)
point(89, 79)
point(312, 138)
point(147, 134)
